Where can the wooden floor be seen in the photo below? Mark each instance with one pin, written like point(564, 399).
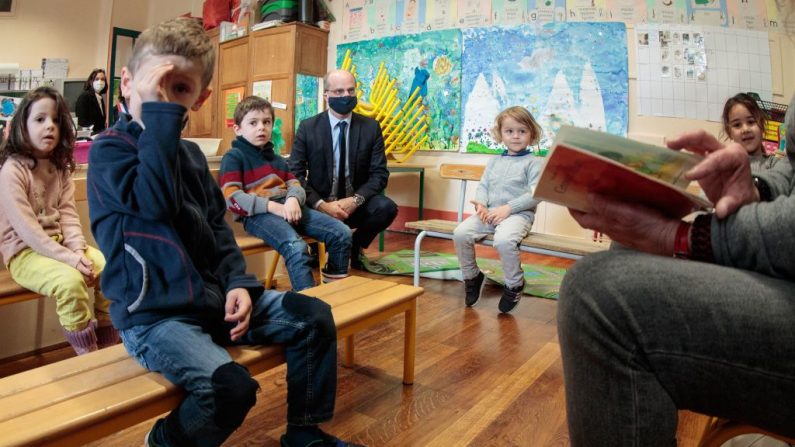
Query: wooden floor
point(482, 378)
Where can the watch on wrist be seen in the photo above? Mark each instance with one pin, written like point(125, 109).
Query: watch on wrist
point(358, 199)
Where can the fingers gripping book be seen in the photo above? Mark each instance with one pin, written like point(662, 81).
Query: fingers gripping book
point(583, 161)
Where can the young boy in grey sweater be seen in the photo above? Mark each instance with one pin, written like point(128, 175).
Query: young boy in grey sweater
point(504, 207)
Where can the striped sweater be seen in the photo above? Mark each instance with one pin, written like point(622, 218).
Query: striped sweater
point(251, 176)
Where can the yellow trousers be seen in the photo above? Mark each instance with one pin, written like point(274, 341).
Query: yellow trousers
point(65, 283)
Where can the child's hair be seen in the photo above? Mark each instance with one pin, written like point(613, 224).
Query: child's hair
point(18, 141)
point(521, 116)
point(251, 103)
point(749, 103)
point(180, 36)
point(89, 85)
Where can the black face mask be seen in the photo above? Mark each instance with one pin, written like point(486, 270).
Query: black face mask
point(342, 104)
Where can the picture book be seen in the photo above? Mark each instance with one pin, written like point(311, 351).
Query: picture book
point(583, 161)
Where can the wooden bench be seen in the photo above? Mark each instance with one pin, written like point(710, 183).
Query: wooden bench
point(85, 398)
point(539, 243)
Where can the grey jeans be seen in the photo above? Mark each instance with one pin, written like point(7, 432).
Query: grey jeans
point(642, 336)
point(507, 236)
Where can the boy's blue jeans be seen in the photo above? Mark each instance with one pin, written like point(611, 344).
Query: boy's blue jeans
point(188, 351)
point(286, 239)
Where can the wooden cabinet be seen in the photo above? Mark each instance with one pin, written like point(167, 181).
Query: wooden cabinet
point(277, 55)
point(201, 123)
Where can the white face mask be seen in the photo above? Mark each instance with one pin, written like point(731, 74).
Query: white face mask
point(98, 85)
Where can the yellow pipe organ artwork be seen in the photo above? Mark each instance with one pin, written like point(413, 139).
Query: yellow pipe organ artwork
point(405, 128)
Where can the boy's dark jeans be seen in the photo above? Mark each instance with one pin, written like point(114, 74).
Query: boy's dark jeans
point(189, 351)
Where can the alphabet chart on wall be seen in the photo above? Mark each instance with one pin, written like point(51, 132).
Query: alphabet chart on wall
point(687, 71)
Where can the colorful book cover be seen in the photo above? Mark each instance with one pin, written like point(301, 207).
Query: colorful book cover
point(584, 161)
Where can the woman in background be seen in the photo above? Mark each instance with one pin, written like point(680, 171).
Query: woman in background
point(90, 106)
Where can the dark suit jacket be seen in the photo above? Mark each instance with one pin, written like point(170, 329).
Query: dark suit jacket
point(88, 111)
point(312, 157)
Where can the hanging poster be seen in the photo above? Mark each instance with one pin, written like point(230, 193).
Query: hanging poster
point(231, 98)
point(667, 11)
point(748, 14)
point(708, 12)
point(781, 16)
point(627, 11)
point(687, 71)
point(441, 14)
point(353, 20)
point(567, 73)
point(410, 16)
point(585, 10)
point(307, 104)
point(430, 61)
point(509, 12)
point(546, 11)
point(380, 18)
point(472, 13)
point(262, 89)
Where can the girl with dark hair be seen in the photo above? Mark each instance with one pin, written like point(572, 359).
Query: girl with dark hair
point(90, 106)
point(43, 245)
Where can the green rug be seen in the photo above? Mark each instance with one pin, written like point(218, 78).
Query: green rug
point(540, 280)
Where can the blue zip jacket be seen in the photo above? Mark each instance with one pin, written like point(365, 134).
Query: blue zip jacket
point(157, 214)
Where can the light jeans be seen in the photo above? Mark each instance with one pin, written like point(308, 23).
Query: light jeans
point(642, 336)
point(286, 239)
point(507, 237)
point(64, 283)
point(189, 350)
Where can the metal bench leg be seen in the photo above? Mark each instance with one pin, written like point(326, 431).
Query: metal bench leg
point(417, 244)
point(410, 343)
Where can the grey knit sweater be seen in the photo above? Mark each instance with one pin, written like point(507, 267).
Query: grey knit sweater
point(510, 179)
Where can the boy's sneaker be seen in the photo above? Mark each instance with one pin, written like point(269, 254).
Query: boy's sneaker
point(510, 298)
point(326, 440)
point(149, 440)
point(473, 288)
point(327, 278)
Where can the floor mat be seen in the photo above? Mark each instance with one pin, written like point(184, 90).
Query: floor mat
point(540, 280)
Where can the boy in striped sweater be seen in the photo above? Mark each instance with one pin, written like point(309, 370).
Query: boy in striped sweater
point(262, 193)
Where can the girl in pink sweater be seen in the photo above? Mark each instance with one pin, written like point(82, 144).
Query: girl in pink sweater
point(41, 241)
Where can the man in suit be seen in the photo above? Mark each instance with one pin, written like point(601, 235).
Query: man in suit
point(347, 190)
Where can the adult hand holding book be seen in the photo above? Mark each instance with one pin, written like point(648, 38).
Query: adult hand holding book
point(725, 173)
point(584, 162)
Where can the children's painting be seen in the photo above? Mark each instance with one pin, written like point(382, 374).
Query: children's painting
point(306, 97)
point(430, 61)
point(563, 73)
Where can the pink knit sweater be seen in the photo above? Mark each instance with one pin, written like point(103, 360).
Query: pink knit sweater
point(37, 204)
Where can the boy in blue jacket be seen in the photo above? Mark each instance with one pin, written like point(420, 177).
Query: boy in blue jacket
point(175, 276)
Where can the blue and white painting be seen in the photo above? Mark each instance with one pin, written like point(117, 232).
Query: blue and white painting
point(430, 61)
point(563, 73)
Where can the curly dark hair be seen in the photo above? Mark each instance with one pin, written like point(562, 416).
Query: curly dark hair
point(18, 141)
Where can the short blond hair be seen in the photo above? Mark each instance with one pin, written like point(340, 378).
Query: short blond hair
point(181, 36)
point(521, 116)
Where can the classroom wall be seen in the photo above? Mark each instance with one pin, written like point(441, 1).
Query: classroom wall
point(441, 194)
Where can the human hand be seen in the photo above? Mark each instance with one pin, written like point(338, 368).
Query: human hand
point(635, 226)
point(480, 210)
point(725, 173)
point(495, 216)
point(348, 204)
point(292, 210)
point(333, 209)
point(86, 268)
point(149, 82)
point(238, 309)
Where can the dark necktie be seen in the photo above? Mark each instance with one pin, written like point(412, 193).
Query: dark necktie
point(341, 165)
